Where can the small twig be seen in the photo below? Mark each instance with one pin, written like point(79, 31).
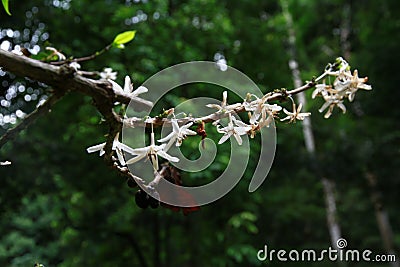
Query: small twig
point(81, 59)
point(29, 119)
point(157, 122)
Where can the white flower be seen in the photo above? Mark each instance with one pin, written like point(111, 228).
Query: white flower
point(117, 146)
point(351, 84)
point(320, 89)
point(177, 134)
point(224, 107)
point(5, 163)
point(128, 88)
point(75, 65)
point(57, 53)
point(152, 152)
point(271, 110)
point(260, 108)
point(264, 109)
point(108, 74)
point(295, 115)
point(331, 102)
point(236, 128)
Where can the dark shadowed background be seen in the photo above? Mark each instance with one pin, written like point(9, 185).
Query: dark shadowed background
point(60, 206)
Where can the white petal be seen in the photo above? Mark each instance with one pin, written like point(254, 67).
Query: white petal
point(249, 106)
point(239, 123)
point(128, 85)
point(168, 137)
point(224, 138)
point(238, 138)
point(136, 159)
point(189, 132)
point(160, 147)
point(222, 130)
point(163, 154)
point(154, 161)
point(140, 151)
point(117, 89)
point(186, 126)
point(273, 107)
point(242, 130)
point(233, 106)
point(175, 126)
point(364, 86)
point(299, 107)
point(214, 106)
point(224, 97)
point(140, 90)
point(254, 117)
point(324, 106)
point(342, 107)
point(352, 95)
point(126, 148)
point(95, 148)
point(169, 144)
point(329, 112)
point(287, 112)
point(315, 93)
point(301, 116)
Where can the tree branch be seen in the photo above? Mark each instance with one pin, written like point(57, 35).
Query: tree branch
point(157, 122)
point(28, 120)
point(61, 77)
point(64, 79)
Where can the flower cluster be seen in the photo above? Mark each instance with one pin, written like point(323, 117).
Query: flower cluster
point(261, 113)
point(345, 85)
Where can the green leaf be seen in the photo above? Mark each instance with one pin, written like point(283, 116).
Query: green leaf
point(5, 5)
point(123, 38)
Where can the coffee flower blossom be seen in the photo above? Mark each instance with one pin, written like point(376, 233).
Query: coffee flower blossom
point(5, 163)
point(128, 88)
point(56, 53)
point(224, 107)
point(117, 146)
point(75, 65)
point(261, 109)
point(178, 134)
point(295, 115)
point(151, 152)
point(108, 74)
point(350, 84)
point(236, 128)
point(344, 86)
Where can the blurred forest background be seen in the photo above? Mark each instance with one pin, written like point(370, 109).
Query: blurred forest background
point(62, 207)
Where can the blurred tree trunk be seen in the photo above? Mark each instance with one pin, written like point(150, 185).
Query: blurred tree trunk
point(345, 30)
point(382, 218)
point(328, 185)
point(381, 215)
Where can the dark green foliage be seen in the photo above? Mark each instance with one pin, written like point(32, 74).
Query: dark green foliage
point(63, 207)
